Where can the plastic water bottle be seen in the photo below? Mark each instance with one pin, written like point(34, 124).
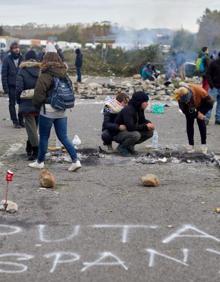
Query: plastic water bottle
point(155, 139)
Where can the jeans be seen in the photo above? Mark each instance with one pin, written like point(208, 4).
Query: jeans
point(78, 72)
point(12, 108)
point(107, 138)
point(215, 93)
point(60, 125)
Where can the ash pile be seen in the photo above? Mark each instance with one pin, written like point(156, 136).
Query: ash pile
point(159, 89)
point(177, 155)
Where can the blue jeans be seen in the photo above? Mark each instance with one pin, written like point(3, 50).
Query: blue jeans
point(215, 93)
point(60, 125)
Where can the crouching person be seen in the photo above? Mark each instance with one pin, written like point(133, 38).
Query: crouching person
point(53, 82)
point(194, 102)
point(112, 108)
point(137, 128)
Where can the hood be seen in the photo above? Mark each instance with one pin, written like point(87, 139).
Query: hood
point(138, 98)
point(112, 105)
point(55, 69)
point(32, 67)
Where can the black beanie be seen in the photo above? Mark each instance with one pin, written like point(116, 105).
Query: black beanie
point(30, 55)
point(138, 98)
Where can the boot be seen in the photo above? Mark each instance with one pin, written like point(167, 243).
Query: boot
point(34, 154)
point(29, 149)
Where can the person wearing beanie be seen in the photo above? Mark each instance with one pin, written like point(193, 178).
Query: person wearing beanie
point(137, 128)
point(112, 107)
point(53, 70)
point(10, 69)
point(78, 64)
point(194, 102)
point(25, 83)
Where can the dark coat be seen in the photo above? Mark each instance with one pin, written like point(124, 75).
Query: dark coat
point(45, 82)
point(109, 123)
point(9, 72)
point(79, 60)
point(132, 116)
point(213, 74)
point(26, 79)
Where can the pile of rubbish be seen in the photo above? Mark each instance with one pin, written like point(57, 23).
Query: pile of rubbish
point(160, 89)
point(177, 155)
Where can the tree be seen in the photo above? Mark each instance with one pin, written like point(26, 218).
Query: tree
point(209, 26)
point(184, 40)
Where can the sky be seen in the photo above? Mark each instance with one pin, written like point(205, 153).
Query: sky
point(137, 14)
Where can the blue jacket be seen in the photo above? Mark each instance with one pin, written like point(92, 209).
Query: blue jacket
point(26, 79)
point(9, 72)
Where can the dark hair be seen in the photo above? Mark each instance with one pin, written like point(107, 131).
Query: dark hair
point(122, 97)
point(77, 51)
point(14, 44)
point(31, 55)
point(204, 49)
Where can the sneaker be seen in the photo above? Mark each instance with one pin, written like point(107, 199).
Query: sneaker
point(190, 149)
point(108, 149)
point(123, 151)
point(36, 164)
point(203, 149)
point(16, 125)
point(75, 166)
point(217, 122)
point(132, 150)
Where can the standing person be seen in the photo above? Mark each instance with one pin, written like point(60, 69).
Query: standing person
point(138, 128)
point(78, 64)
point(26, 80)
point(53, 71)
point(41, 55)
point(194, 102)
point(10, 69)
point(112, 107)
point(213, 76)
point(59, 52)
point(202, 64)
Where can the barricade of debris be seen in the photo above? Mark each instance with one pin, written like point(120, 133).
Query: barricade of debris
point(159, 89)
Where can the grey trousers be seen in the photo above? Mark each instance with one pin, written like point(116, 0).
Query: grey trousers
point(31, 128)
point(131, 138)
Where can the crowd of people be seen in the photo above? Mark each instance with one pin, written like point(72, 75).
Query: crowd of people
point(36, 86)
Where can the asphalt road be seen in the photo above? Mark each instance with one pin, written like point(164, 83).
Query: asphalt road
point(100, 224)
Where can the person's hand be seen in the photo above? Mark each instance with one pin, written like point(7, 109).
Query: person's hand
point(150, 126)
point(200, 116)
point(122, 127)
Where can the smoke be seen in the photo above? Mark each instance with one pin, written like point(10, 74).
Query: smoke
point(137, 39)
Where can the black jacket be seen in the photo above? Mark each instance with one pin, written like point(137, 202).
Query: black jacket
point(26, 79)
point(132, 116)
point(213, 74)
point(9, 72)
point(109, 123)
point(79, 60)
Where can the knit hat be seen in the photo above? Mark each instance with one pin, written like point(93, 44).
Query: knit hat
point(30, 55)
point(138, 98)
point(14, 45)
point(50, 48)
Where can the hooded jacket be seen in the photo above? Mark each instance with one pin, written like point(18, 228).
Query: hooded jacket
point(26, 79)
point(9, 72)
point(200, 101)
point(79, 59)
point(213, 74)
point(132, 116)
point(45, 81)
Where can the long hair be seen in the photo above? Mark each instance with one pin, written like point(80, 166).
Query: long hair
point(52, 59)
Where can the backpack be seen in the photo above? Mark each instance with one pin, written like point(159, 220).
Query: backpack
point(200, 64)
point(61, 96)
